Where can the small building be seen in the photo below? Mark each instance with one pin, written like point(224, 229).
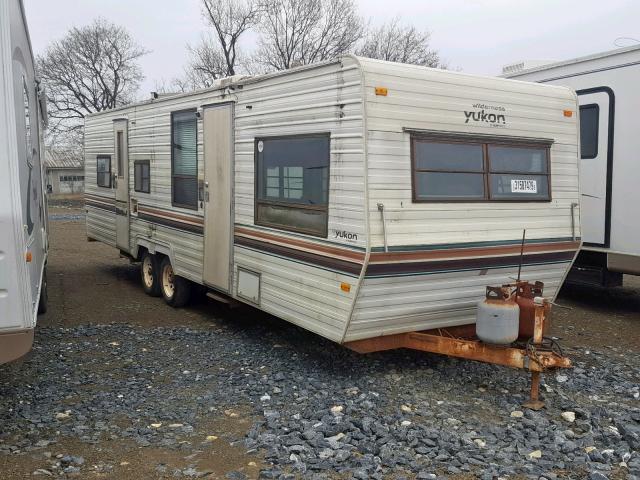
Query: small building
point(64, 171)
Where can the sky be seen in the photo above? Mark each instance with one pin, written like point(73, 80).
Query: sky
point(474, 36)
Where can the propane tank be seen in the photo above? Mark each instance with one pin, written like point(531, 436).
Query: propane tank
point(526, 293)
point(497, 319)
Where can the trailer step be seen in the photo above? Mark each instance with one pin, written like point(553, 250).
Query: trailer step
point(219, 297)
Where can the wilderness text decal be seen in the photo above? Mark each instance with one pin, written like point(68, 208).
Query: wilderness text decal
point(489, 114)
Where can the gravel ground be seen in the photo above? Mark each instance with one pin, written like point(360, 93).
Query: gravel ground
point(121, 386)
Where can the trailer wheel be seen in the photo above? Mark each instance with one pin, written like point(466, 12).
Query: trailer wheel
point(175, 290)
point(44, 296)
point(149, 276)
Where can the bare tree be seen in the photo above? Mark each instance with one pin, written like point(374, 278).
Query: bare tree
point(398, 42)
point(230, 19)
point(207, 62)
point(92, 68)
point(299, 32)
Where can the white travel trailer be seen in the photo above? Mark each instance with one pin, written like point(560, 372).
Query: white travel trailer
point(23, 223)
point(607, 88)
point(355, 198)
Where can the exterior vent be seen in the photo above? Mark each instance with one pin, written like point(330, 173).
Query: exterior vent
point(517, 67)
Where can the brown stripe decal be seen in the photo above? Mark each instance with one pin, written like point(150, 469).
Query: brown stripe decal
point(331, 263)
point(450, 253)
point(99, 198)
point(409, 268)
point(171, 223)
point(171, 215)
point(406, 262)
point(102, 206)
point(310, 247)
point(189, 223)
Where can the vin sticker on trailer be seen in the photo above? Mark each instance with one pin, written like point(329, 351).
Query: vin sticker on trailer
point(524, 186)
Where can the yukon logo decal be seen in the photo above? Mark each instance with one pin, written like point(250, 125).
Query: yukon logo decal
point(483, 114)
point(345, 235)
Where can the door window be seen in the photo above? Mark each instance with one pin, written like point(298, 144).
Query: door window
point(589, 122)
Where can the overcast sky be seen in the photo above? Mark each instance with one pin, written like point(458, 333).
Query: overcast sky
point(476, 36)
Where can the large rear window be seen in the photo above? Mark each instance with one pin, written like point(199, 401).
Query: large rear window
point(460, 170)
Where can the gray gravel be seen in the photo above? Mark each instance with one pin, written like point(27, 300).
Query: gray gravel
point(318, 408)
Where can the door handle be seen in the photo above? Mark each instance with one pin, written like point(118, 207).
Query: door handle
point(203, 191)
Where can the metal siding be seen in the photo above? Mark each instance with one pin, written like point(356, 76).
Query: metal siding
point(324, 99)
point(602, 72)
point(392, 305)
point(328, 98)
point(428, 99)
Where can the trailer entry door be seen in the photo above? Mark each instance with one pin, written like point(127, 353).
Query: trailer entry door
point(595, 168)
point(121, 143)
point(218, 161)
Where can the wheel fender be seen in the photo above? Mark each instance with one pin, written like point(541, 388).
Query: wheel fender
point(155, 248)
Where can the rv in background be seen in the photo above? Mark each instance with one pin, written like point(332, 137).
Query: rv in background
point(23, 217)
point(355, 198)
point(608, 88)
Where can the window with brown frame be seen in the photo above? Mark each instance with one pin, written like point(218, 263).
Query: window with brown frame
point(103, 170)
point(292, 183)
point(141, 176)
point(468, 170)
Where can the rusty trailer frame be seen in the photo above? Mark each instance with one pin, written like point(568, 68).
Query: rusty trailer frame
point(461, 342)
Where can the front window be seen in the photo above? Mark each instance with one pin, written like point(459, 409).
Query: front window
point(293, 183)
point(478, 171)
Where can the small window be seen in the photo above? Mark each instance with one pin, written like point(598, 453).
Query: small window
point(119, 153)
point(293, 183)
point(184, 159)
point(589, 121)
point(141, 171)
point(476, 171)
point(103, 171)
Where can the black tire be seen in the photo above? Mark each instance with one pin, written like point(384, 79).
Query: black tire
point(44, 296)
point(149, 274)
point(176, 290)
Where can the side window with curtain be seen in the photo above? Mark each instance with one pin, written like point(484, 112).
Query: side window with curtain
point(141, 180)
point(184, 159)
point(292, 184)
point(103, 171)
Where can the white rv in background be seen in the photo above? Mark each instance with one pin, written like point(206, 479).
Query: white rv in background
point(355, 198)
point(23, 221)
point(608, 88)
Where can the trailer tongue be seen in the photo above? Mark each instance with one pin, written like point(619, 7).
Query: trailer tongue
point(538, 354)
